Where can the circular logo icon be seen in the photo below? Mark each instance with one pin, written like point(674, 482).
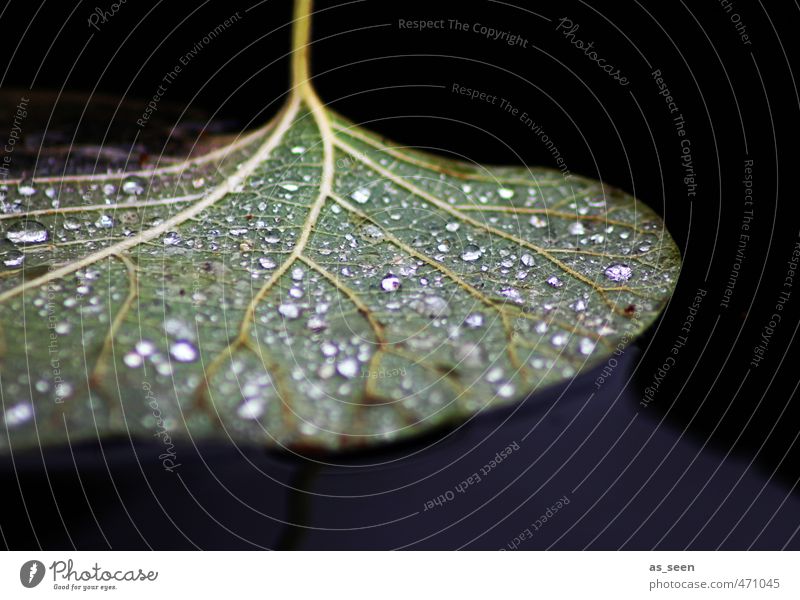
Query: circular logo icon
point(31, 573)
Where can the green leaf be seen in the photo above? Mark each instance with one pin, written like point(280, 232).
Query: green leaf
point(310, 286)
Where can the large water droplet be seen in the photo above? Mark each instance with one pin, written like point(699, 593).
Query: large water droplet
point(618, 272)
point(27, 232)
point(527, 260)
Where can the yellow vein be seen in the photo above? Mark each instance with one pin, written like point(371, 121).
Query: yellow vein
point(430, 198)
point(212, 198)
point(93, 207)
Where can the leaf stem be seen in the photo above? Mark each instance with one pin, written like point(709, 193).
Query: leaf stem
point(301, 44)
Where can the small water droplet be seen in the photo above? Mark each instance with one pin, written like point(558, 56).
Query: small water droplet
point(18, 414)
point(505, 193)
point(527, 260)
point(265, 262)
point(289, 311)
point(579, 305)
point(133, 186)
point(183, 351)
point(452, 227)
point(618, 272)
point(361, 195)
point(390, 283)
point(133, 360)
point(537, 222)
point(432, 306)
point(298, 149)
point(26, 188)
point(347, 368)
point(474, 320)
point(506, 390)
point(554, 281)
point(586, 346)
point(577, 228)
point(71, 224)
point(104, 222)
point(172, 238)
point(471, 253)
point(289, 187)
point(27, 232)
point(329, 349)
point(144, 347)
point(13, 258)
point(251, 409)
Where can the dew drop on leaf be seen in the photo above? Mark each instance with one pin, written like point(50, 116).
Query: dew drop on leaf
point(183, 351)
point(390, 283)
point(618, 272)
point(27, 232)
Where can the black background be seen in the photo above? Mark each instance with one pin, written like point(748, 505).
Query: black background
point(712, 462)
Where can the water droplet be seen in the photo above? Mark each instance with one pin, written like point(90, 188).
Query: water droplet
point(297, 274)
point(265, 262)
point(618, 272)
point(133, 186)
point(18, 414)
point(361, 195)
point(474, 320)
point(145, 347)
point(506, 390)
point(27, 232)
point(13, 258)
point(172, 238)
point(347, 368)
point(289, 311)
point(298, 149)
point(104, 222)
point(432, 306)
point(390, 283)
point(586, 346)
point(538, 222)
point(329, 349)
point(183, 351)
point(471, 253)
point(555, 282)
point(289, 187)
point(527, 260)
point(577, 228)
point(26, 188)
point(505, 193)
point(71, 224)
point(511, 293)
point(559, 339)
point(452, 227)
point(252, 409)
point(579, 305)
point(133, 360)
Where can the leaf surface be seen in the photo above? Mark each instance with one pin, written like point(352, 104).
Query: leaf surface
point(310, 286)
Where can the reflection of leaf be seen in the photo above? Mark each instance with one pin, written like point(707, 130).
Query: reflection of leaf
point(309, 286)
